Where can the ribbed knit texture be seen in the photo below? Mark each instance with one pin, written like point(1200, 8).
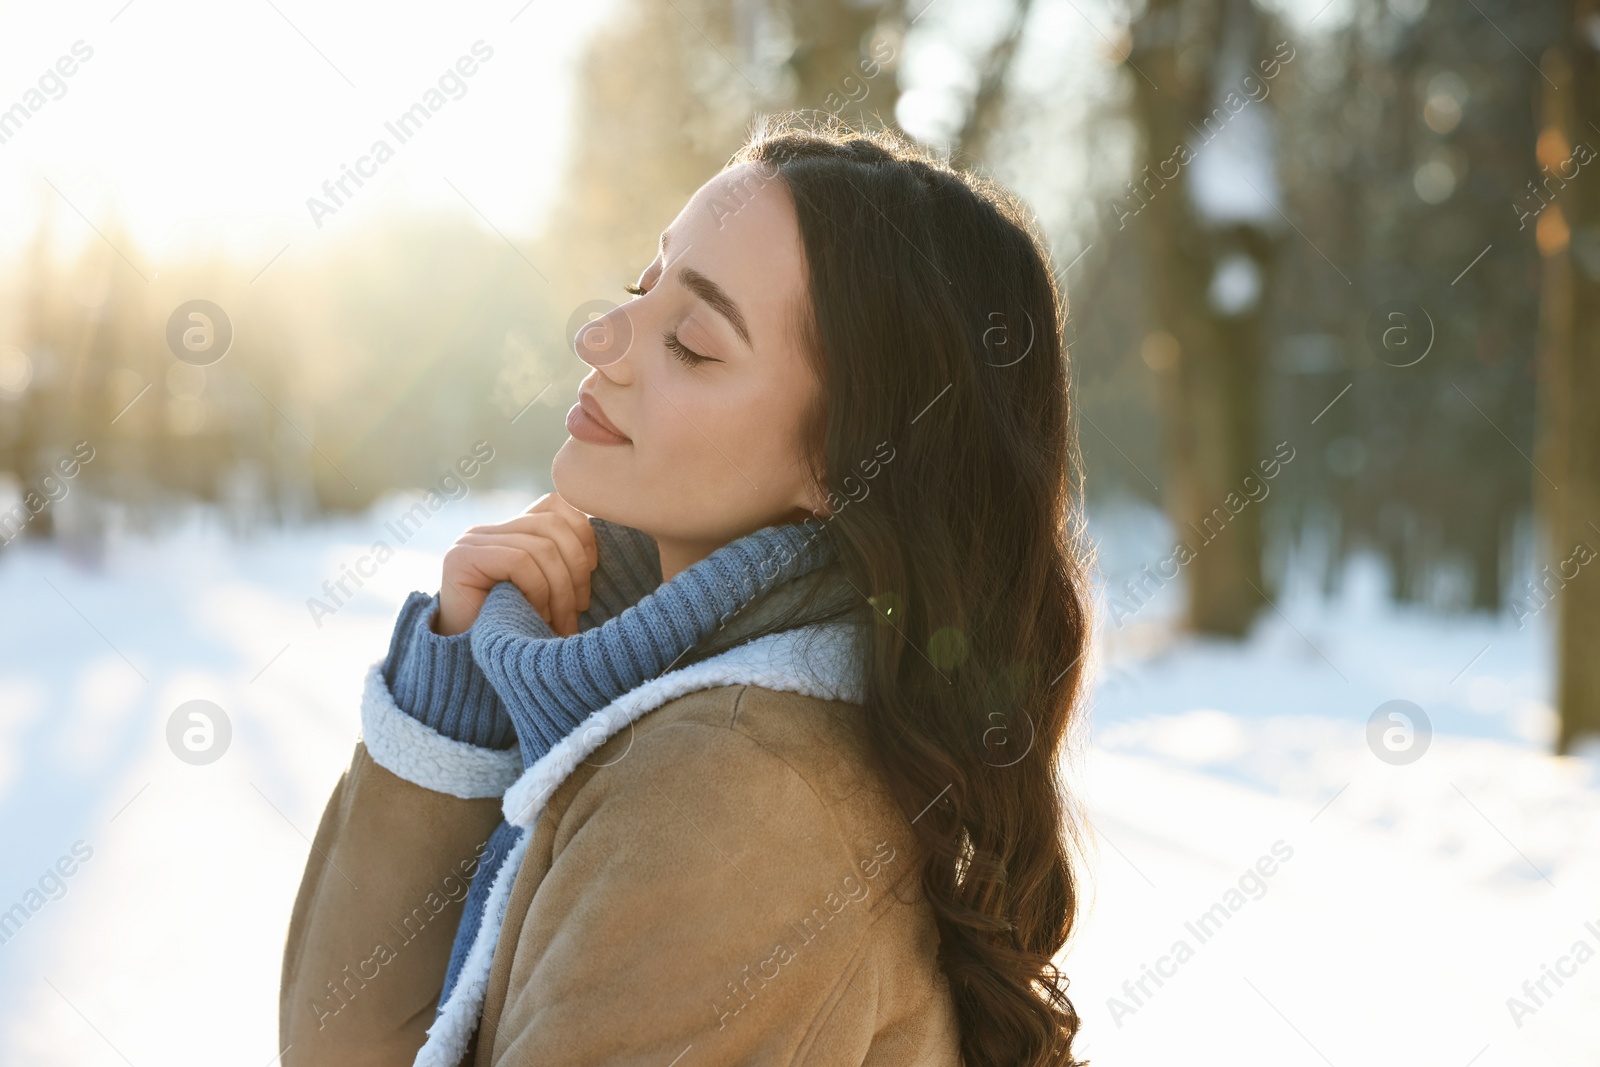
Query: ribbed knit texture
point(510, 675)
point(434, 679)
point(549, 684)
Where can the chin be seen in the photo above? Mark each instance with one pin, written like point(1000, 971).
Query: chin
point(576, 478)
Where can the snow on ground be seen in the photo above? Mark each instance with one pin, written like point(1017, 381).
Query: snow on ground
point(1359, 912)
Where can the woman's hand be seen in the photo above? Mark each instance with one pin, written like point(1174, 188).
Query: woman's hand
point(548, 552)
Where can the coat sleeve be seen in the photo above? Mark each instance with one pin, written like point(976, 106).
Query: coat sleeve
point(376, 914)
point(700, 897)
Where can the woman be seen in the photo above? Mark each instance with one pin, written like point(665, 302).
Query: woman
point(741, 747)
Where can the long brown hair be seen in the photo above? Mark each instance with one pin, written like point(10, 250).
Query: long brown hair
point(944, 433)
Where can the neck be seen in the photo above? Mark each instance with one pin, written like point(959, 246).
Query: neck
point(679, 556)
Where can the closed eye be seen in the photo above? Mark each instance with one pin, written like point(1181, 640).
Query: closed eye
point(684, 353)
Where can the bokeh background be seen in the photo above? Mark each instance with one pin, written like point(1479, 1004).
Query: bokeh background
point(1352, 243)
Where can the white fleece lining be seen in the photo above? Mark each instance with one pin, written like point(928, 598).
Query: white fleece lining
point(772, 662)
point(426, 757)
point(816, 660)
point(449, 1034)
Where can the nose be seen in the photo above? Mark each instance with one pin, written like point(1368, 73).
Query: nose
point(604, 335)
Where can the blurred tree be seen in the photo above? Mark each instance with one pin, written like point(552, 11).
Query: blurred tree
point(35, 414)
point(1396, 161)
point(985, 114)
point(379, 361)
point(658, 110)
point(842, 50)
point(1568, 234)
point(1203, 205)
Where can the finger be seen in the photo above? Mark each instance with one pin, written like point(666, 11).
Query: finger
point(562, 595)
point(470, 571)
point(578, 523)
point(459, 605)
point(558, 595)
point(556, 504)
point(580, 559)
point(493, 563)
point(584, 530)
point(576, 558)
point(552, 502)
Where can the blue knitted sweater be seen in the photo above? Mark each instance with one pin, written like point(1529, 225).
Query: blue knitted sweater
point(511, 680)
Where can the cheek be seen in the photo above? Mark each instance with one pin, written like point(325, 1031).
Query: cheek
point(676, 443)
point(769, 426)
point(728, 436)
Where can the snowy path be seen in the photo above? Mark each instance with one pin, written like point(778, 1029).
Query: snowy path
point(1414, 900)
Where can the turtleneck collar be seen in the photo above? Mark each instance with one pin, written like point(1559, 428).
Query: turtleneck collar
point(548, 684)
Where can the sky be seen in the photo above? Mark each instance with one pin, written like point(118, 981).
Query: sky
point(207, 127)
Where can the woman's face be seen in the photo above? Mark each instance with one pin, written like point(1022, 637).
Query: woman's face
point(705, 378)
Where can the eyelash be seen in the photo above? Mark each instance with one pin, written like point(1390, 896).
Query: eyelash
point(686, 355)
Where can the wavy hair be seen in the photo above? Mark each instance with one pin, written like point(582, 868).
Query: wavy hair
point(943, 440)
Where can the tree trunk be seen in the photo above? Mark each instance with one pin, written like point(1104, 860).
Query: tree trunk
point(838, 64)
point(1568, 233)
point(1211, 361)
point(983, 116)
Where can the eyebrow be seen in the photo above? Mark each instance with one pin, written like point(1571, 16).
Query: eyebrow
point(713, 294)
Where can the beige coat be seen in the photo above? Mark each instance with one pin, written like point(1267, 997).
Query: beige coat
point(723, 882)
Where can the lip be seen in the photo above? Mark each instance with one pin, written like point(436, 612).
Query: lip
point(587, 421)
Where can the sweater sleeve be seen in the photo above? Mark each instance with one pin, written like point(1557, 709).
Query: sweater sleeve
point(434, 680)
